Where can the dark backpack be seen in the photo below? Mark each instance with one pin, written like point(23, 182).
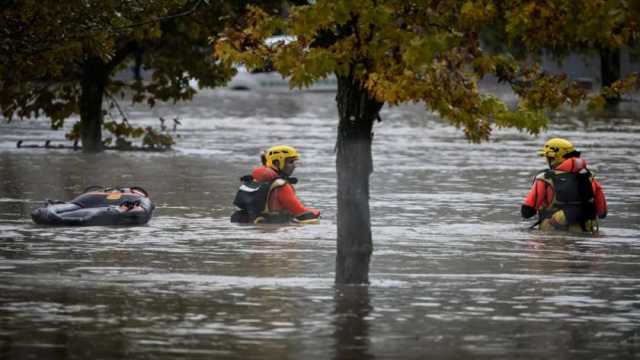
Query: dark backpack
point(574, 195)
point(252, 196)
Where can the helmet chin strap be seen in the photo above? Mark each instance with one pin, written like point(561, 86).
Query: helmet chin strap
point(277, 166)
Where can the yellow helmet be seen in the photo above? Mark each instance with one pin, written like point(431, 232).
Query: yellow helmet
point(280, 153)
point(556, 150)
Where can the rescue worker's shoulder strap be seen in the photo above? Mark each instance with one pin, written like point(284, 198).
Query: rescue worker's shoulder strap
point(546, 176)
point(275, 183)
point(279, 182)
point(592, 175)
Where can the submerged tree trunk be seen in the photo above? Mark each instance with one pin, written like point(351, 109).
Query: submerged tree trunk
point(610, 70)
point(93, 85)
point(352, 340)
point(357, 112)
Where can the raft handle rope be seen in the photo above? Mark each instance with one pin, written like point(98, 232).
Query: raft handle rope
point(111, 189)
point(137, 188)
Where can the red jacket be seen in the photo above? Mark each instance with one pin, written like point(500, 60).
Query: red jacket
point(283, 198)
point(541, 194)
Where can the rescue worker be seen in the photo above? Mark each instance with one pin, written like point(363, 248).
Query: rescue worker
point(566, 196)
point(267, 195)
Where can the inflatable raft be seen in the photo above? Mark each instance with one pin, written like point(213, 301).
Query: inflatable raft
point(98, 206)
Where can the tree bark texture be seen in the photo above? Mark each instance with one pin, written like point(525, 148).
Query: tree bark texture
point(357, 113)
point(94, 77)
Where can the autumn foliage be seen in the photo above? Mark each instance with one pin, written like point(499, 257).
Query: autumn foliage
point(431, 51)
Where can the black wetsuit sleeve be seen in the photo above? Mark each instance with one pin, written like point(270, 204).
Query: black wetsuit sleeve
point(527, 211)
point(308, 215)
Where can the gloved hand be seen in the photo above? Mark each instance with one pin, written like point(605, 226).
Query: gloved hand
point(308, 215)
point(527, 211)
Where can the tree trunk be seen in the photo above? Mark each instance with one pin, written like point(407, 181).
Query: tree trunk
point(93, 84)
point(357, 112)
point(610, 70)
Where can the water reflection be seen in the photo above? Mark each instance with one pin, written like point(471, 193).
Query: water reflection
point(352, 323)
point(562, 253)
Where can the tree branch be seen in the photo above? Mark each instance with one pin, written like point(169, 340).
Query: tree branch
point(117, 105)
point(121, 54)
point(163, 18)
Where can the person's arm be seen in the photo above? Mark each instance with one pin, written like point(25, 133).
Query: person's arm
point(600, 200)
point(534, 200)
point(290, 202)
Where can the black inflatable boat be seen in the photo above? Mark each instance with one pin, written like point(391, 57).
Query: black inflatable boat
point(98, 206)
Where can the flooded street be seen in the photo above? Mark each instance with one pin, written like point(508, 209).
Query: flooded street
point(455, 274)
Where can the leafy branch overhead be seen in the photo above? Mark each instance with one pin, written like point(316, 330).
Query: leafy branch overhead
point(61, 58)
point(46, 45)
point(402, 51)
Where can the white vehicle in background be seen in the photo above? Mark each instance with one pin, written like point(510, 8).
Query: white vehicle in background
point(267, 79)
point(270, 80)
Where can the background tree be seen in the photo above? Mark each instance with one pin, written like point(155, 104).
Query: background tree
point(59, 57)
point(600, 27)
point(394, 51)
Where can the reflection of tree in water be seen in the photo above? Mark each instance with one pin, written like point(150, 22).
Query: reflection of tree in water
point(13, 178)
point(351, 326)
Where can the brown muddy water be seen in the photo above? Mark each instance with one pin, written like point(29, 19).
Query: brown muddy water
point(455, 273)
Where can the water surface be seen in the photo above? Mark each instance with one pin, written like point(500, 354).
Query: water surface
point(455, 272)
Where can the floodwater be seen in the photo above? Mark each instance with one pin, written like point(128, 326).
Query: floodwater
point(455, 274)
